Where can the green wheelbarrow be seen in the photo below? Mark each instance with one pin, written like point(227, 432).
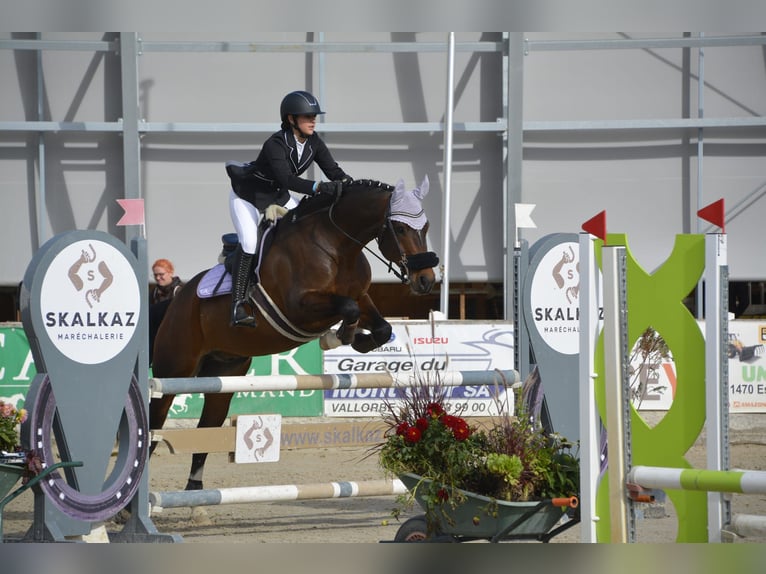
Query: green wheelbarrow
point(10, 474)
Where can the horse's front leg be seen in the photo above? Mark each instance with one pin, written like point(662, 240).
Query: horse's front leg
point(377, 331)
point(346, 307)
point(350, 312)
point(214, 413)
point(159, 407)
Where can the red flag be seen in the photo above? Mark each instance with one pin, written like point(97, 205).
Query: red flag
point(134, 211)
point(596, 225)
point(714, 213)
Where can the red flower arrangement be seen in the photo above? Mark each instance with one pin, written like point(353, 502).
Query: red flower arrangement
point(427, 441)
point(512, 459)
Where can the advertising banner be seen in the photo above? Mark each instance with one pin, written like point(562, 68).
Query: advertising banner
point(423, 349)
point(747, 373)
point(17, 370)
point(747, 370)
point(303, 360)
point(456, 346)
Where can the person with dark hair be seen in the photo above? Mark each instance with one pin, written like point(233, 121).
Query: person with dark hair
point(166, 287)
point(268, 180)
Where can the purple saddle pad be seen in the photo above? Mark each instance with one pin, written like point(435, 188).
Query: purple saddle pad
point(207, 286)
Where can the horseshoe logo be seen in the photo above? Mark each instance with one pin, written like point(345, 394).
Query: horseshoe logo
point(124, 479)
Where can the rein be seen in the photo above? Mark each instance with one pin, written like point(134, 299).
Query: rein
point(414, 262)
point(401, 276)
point(402, 273)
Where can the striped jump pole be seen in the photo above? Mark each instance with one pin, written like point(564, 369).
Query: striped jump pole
point(274, 493)
point(748, 525)
point(738, 481)
point(160, 386)
point(733, 481)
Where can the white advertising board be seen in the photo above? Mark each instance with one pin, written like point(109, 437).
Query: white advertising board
point(747, 372)
point(747, 366)
point(424, 348)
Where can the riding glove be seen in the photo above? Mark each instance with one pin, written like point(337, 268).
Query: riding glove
point(329, 187)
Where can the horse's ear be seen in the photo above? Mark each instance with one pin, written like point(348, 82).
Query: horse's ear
point(399, 187)
point(422, 191)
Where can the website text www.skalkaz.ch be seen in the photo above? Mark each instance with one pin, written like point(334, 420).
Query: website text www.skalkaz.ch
point(334, 437)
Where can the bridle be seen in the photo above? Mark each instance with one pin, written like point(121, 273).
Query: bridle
point(406, 263)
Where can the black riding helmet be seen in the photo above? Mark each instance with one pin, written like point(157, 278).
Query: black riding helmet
point(299, 103)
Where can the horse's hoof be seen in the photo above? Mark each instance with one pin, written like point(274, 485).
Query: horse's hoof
point(199, 516)
point(122, 516)
point(329, 341)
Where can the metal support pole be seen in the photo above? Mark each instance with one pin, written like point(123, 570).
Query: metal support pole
point(444, 306)
point(515, 145)
point(700, 155)
point(520, 333)
point(43, 229)
point(131, 143)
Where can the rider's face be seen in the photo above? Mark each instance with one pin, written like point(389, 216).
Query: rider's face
point(305, 124)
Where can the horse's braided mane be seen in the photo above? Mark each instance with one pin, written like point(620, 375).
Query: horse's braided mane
point(317, 202)
point(370, 183)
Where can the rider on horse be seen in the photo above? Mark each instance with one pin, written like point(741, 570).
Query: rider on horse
point(285, 155)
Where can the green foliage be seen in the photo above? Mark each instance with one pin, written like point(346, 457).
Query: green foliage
point(511, 460)
point(505, 466)
point(10, 418)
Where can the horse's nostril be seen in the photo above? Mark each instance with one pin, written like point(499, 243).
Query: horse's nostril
point(422, 284)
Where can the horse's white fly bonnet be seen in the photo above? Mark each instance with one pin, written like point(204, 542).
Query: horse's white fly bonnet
point(407, 206)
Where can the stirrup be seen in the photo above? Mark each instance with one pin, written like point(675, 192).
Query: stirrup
point(242, 319)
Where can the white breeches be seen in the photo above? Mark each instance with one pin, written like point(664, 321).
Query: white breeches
point(246, 218)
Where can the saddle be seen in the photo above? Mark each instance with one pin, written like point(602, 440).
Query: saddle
point(217, 281)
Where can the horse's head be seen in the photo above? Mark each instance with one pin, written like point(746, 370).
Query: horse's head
point(403, 240)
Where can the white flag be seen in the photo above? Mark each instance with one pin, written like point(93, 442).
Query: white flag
point(524, 215)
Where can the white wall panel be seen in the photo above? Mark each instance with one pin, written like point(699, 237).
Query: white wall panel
point(645, 179)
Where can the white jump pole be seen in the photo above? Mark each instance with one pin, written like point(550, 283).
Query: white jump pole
point(733, 481)
point(590, 462)
point(714, 482)
point(613, 380)
point(716, 378)
point(245, 384)
point(747, 525)
point(274, 493)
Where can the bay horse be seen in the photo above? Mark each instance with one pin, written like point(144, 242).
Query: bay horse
point(315, 275)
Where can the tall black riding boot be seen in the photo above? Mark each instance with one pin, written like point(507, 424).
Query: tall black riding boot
point(240, 277)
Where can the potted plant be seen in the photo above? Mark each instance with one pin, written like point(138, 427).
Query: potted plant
point(476, 481)
point(12, 458)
